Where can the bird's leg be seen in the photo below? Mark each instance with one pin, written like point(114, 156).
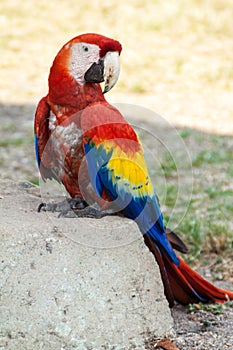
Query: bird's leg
point(64, 206)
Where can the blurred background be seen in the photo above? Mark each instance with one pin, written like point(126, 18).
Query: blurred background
point(177, 60)
point(177, 56)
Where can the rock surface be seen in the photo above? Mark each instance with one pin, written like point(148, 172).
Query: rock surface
point(74, 283)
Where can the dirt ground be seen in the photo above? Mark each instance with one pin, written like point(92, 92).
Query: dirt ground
point(203, 330)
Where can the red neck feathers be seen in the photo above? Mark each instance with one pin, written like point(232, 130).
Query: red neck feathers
point(66, 92)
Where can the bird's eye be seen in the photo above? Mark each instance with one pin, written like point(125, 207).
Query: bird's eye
point(85, 48)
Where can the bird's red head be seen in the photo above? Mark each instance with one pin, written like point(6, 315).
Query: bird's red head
point(87, 58)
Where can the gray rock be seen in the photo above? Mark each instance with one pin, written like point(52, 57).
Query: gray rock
point(75, 283)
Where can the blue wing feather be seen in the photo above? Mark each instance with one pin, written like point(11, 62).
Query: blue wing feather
point(96, 160)
point(37, 150)
point(144, 209)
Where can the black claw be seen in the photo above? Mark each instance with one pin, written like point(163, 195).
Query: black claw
point(41, 206)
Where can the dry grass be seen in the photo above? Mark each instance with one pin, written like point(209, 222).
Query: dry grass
point(177, 56)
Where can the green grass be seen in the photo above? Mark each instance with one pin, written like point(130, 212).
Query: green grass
point(171, 195)
point(229, 169)
point(168, 165)
point(212, 156)
point(215, 191)
point(34, 180)
point(17, 142)
point(193, 234)
point(207, 225)
point(207, 228)
point(215, 309)
point(186, 133)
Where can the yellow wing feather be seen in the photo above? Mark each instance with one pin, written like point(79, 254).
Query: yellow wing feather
point(129, 170)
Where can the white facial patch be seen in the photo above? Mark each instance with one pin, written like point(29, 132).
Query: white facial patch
point(83, 55)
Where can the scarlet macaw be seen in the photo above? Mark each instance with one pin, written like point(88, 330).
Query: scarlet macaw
point(81, 139)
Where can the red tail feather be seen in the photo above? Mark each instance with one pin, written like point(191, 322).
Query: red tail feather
point(203, 287)
point(183, 284)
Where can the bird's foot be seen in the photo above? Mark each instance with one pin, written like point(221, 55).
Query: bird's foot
point(73, 208)
point(68, 204)
point(88, 212)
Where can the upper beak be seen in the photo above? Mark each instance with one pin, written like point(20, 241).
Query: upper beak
point(106, 70)
point(111, 69)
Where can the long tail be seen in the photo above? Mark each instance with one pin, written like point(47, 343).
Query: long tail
point(183, 284)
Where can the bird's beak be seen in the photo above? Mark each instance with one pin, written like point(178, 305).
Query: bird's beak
point(106, 70)
point(111, 69)
point(95, 74)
